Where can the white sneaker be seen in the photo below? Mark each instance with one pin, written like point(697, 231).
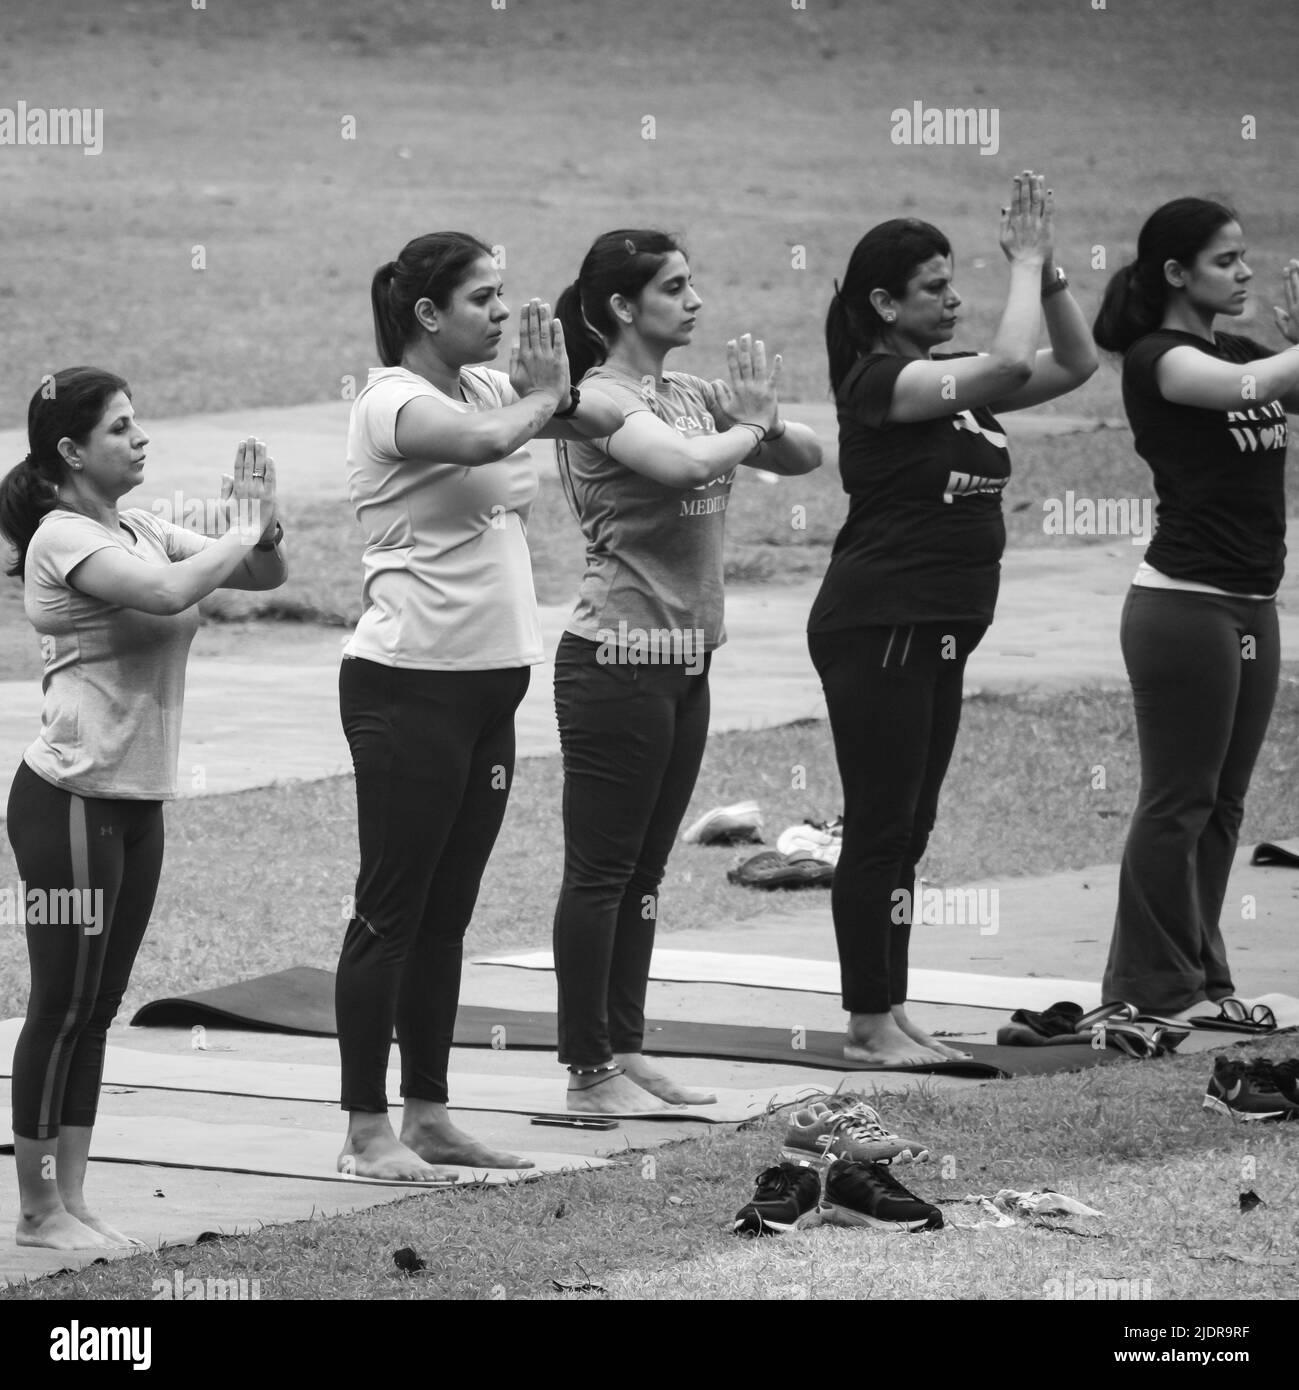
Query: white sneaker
point(739, 823)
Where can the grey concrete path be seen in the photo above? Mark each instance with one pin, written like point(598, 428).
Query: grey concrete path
point(270, 712)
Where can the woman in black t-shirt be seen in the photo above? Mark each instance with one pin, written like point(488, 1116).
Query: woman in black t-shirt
point(1199, 630)
point(913, 578)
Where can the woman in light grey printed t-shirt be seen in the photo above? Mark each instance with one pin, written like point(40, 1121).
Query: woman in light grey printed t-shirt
point(112, 595)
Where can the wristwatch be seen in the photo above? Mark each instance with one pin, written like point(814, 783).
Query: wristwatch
point(274, 540)
point(1057, 284)
point(574, 400)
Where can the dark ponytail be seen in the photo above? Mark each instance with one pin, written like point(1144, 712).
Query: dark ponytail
point(68, 405)
point(621, 262)
point(430, 267)
point(1137, 295)
point(884, 259)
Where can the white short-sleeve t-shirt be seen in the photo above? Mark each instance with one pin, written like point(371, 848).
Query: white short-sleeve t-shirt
point(447, 582)
point(114, 677)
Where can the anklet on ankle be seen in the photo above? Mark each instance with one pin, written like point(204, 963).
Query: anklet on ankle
point(602, 1074)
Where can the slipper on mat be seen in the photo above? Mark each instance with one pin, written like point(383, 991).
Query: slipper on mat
point(1060, 1020)
point(1270, 855)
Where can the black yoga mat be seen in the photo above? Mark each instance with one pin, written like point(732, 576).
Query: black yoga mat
point(301, 1000)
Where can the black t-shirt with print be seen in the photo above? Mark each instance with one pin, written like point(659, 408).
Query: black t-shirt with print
point(1219, 474)
point(924, 534)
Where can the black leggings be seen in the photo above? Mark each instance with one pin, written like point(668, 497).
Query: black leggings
point(433, 753)
point(894, 699)
point(89, 871)
point(1204, 671)
point(633, 739)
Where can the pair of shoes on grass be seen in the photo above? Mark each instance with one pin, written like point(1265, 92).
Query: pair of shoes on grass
point(1254, 1090)
point(843, 1135)
point(789, 1198)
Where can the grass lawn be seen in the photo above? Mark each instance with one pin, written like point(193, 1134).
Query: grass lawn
point(224, 129)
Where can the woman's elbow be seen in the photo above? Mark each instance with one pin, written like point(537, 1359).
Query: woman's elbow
point(1016, 371)
point(1082, 368)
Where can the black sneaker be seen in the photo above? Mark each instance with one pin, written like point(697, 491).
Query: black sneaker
point(1286, 1077)
point(1249, 1091)
point(785, 1199)
point(864, 1194)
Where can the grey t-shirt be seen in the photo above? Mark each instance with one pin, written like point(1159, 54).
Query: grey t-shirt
point(653, 552)
point(114, 678)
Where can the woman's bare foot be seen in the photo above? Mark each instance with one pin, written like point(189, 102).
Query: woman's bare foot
point(111, 1233)
point(609, 1093)
point(372, 1150)
point(427, 1130)
point(659, 1084)
point(916, 1032)
point(59, 1230)
point(876, 1040)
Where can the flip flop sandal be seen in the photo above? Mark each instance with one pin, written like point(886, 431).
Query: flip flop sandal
point(1132, 1039)
point(1270, 854)
point(1116, 1012)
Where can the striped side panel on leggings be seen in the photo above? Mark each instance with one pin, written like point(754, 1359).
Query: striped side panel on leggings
point(906, 650)
point(79, 845)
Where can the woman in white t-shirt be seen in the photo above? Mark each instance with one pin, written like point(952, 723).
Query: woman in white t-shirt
point(113, 597)
point(436, 668)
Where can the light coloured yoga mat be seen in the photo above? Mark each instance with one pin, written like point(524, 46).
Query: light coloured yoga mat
point(168, 1141)
point(822, 977)
point(520, 1095)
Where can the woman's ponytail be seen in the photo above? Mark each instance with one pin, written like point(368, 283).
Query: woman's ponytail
point(387, 336)
point(1132, 306)
point(581, 342)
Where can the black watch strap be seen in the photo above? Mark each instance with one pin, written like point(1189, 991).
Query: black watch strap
point(574, 400)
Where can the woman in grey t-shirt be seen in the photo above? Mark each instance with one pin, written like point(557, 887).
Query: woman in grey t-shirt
point(631, 672)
